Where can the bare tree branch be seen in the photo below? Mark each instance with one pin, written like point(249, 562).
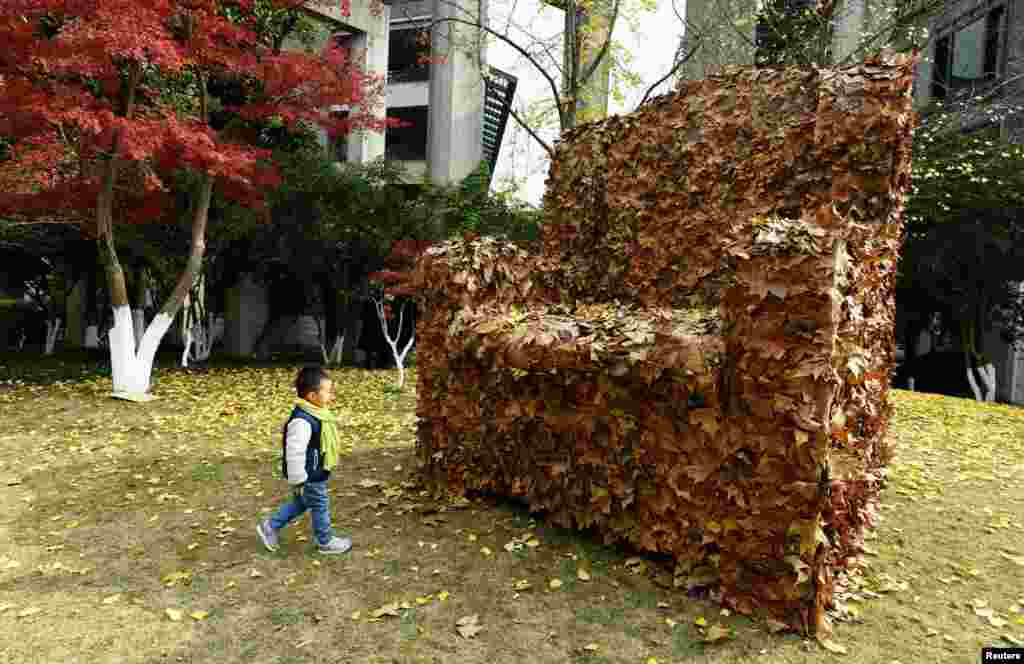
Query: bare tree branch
point(675, 67)
point(522, 123)
point(529, 58)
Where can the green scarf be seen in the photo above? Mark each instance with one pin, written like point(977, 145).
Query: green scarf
point(330, 442)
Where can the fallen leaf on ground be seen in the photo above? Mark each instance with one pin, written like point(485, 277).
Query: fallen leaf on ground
point(176, 577)
point(199, 615)
point(700, 621)
point(174, 614)
point(592, 647)
point(555, 584)
point(111, 599)
point(533, 543)
point(390, 609)
point(468, 626)
point(356, 615)
point(521, 584)
point(443, 595)
point(582, 574)
point(1016, 560)
point(717, 633)
point(484, 550)
point(255, 574)
point(832, 646)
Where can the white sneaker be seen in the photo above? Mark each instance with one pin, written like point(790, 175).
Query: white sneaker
point(268, 535)
point(336, 545)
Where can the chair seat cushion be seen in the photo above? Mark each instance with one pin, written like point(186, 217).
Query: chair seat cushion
point(592, 337)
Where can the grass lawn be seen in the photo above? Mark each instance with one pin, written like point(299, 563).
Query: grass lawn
point(127, 534)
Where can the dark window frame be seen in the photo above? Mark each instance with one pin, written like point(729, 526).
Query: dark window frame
point(943, 87)
point(407, 143)
point(406, 68)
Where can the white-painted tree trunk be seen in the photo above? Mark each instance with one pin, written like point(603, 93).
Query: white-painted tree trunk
point(204, 340)
point(132, 366)
point(393, 342)
point(336, 351)
point(332, 357)
point(92, 336)
point(986, 391)
point(188, 348)
point(138, 324)
point(52, 331)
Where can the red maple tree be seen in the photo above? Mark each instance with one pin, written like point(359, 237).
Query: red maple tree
point(104, 100)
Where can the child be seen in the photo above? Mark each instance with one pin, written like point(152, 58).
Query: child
point(309, 451)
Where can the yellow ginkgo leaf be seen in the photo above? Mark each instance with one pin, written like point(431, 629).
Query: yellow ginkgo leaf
point(555, 584)
point(700, 621)
point(582, 574)
point(443, 595)
point(111, 599)
point(199, 615)
point(832, 646)
point(174, 614)
point(356, 615)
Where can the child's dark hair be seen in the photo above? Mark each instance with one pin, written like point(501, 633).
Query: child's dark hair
point(309, 380)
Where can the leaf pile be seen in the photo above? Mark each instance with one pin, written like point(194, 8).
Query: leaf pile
point(698, 361)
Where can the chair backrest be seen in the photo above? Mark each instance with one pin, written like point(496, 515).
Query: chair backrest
point(641, 207)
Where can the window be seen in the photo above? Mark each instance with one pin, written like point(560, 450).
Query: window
point(967, 59)
point(408, 50)
point(408, 143)
point(339, 147)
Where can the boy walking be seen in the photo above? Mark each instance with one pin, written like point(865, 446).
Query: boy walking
point(309, 450)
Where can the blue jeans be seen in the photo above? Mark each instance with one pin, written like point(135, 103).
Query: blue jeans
point(314, 498)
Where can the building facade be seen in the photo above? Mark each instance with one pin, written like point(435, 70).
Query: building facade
point(454, 107)
point(975, 50)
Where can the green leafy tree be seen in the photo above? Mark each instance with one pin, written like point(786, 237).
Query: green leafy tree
point(963, 251)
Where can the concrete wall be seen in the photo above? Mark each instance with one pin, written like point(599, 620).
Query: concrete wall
point(455, 124)
point(412, 93)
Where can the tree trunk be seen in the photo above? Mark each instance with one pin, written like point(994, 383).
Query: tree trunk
point(91, 337)
point(52, 330)
point(393, 341)
point(332, 340)
point(139, 308)
point(131, 364)
point(981, 377)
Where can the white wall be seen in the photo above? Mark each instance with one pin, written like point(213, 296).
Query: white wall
point(412, 93)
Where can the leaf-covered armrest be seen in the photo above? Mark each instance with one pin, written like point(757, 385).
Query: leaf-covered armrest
point(781, 313)
point(462, 273)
